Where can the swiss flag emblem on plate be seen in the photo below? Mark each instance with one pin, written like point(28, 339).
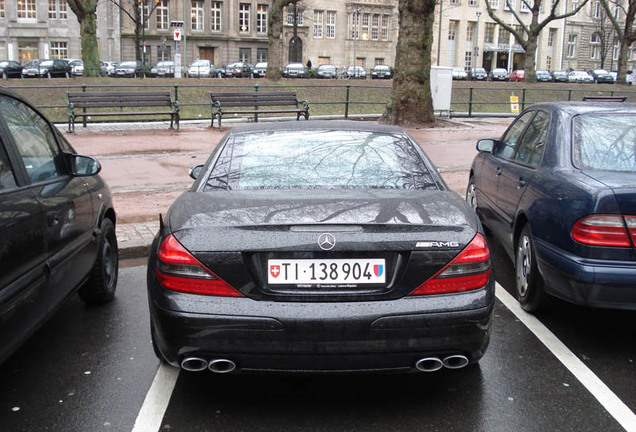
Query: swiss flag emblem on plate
point(274, 270)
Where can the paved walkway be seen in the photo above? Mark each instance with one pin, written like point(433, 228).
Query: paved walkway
point(126, 149)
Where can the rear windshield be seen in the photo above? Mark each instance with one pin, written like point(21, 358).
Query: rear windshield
point(319, 159)
point(605, 142)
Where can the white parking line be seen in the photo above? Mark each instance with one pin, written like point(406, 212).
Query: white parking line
point(614, 406)
point(156, 403)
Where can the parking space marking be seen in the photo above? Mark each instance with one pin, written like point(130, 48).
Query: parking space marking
point(157, 399)
point(614, 406)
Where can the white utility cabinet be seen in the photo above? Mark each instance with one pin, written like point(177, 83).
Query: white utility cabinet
point(441, 87)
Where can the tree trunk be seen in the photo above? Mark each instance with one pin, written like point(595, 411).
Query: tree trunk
point(623, 56)
point(531, 62)
point(411, 101)
point(84, 10)
point(274, 30)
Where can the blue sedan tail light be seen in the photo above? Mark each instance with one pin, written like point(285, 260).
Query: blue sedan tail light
point(605, 230)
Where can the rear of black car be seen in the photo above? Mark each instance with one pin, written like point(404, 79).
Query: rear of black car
point(251, 274)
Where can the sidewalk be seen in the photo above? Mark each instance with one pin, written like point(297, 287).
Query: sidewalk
point(145, 164)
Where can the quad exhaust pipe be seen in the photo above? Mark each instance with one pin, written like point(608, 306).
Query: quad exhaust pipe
point(198, 364)
point(432, 364)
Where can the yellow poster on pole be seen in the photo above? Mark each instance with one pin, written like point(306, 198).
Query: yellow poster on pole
point(514, 104)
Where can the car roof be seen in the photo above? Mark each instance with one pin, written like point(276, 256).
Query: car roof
point(319, 125)
point(576, 108)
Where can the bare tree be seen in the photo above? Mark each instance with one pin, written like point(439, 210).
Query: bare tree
point(274, 36)
point(624, 29)
point(527, 34)
point(411, 101)
point(132, 9)
point(85, 10)
point(605, 32)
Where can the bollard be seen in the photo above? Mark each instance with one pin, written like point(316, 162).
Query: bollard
point(255, 104)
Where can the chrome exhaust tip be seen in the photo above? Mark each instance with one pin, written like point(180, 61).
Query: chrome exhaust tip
point(457, 361)
point(194, 364)
point(222, 366)
point(429, 364)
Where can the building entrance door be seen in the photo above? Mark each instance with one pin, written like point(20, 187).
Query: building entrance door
point(206, 53)
point(27, 51)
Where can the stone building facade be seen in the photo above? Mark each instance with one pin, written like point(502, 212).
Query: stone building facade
point(32, 29)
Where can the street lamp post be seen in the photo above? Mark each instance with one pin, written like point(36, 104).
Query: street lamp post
point(477, 40)
point(439, 31)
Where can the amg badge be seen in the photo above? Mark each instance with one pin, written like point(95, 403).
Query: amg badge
point(437, 244)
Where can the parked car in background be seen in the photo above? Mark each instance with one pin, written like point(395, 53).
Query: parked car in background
point(478, 74)
point(295, 70)
point(77, 66)
point(459, 73)
point(580, 77)
point(601, 76)
point(517, 75)
point(221, 71)
point(557, 191)
point(129, 69)
point(32, 69)
point(260, 70)
point(238, 70)
point(10, 69)
point(327, 71)
point(559, 76)
point(498, 74)
point(543, 76)
point(381, 72)
point(162, 69)
point(108, 67)
point(319, 246)
point(202, 68)
point(57, 224)
point(356, 72)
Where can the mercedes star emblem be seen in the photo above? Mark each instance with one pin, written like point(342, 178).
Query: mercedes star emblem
point(326, 241)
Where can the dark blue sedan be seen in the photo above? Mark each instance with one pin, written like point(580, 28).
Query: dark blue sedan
point(558, 190)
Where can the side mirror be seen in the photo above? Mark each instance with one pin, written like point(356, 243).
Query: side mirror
point(84, 166)
point(485, 145)
point(195, 171)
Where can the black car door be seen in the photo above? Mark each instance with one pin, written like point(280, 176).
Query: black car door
point(517, 173)
point(23, 275)
point(66, 204)
point(493, 168)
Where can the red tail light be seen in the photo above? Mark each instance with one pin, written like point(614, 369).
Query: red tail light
point(178, 270)
point(605, 230)
point(470, 270)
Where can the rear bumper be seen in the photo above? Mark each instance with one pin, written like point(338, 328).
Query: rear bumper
point(322, 337)
point(597, 283)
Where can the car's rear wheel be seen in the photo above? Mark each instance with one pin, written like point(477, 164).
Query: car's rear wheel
point(529, 282)
point(101, 285)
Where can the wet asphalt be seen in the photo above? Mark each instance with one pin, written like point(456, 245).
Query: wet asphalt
point(89, 369)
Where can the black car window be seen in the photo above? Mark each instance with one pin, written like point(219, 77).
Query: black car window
point(319, 159)
point(605, 142)
point(7, 179)
point(531, 145)
point(34, 140)
point(506, 147)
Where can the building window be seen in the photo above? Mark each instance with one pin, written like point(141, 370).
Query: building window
point(58, 50)
point(163, 52)
point(245, 54)
point(375, 27)
point(470, 31)
point(489, 37)
point(365, 25)
point(575, 4)
point(27, 10)
point(615, 51)
point(57, 9)
point(494, 4)
point(384, 29)
point(215, 18)
point(261, 19)
point(261, 55)
point(473, 2)
point(2, 16)
point(510, 4)
point(290, 16)
point(551, 36)
point(244, 18)
point(468, 60)
point(548, 63)
point(319, 18)
point(595, 47)
point(452, 33)
point(143, 8)
point(504, 36)
point(197, 15)
point(454, 2)
point(597, 10)
point(523, 6)
point(324, 60)
point(354, 23)
point(331, 24)
point(162, 15)
point(379, 61)
point(571, 46)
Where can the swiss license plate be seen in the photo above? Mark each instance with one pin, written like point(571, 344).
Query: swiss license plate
point(326, 271)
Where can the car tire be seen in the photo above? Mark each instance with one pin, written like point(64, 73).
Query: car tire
point(529, 282)
point(471, 199)
point(101, 285)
